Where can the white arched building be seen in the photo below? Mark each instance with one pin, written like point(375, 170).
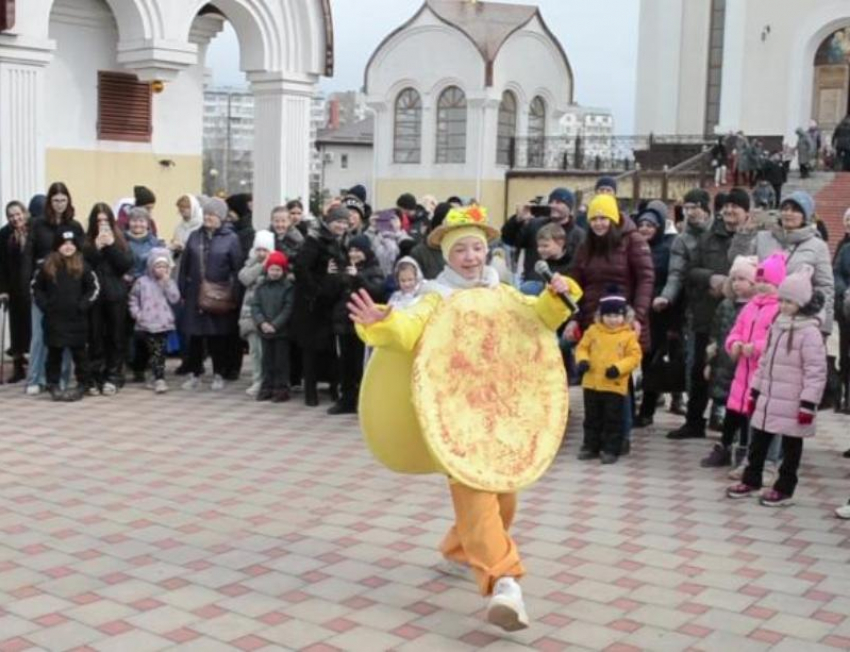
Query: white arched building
point(763, 66)
point(70, 111)
point(452, 87)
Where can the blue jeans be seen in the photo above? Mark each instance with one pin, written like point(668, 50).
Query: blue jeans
point(38, 353)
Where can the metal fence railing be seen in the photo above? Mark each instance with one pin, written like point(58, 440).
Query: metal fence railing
point(603, 153)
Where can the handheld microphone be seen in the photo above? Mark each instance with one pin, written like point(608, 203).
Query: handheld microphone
point(542, 268)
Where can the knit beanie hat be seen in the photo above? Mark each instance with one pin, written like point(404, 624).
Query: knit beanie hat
point(738, 197)
point(277, 258)
point(604, 206)
point(797, 287)
point(337, 214)
point(143, 196)
point(361, 243)
point(564, 196)
point(453, 236)
point(772, 269)
point(358, 191)
point(160, 255)
point(699, 197)
point(744, 267)
point(803, 202)
point(406, 202)
point(264, 239)
point(352, 202)
point(613, 303)
point(655, 212)
point(66, 235)
point(217, 207)
point(606, 182)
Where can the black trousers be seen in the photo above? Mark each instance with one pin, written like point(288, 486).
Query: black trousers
point(318, 364)
point(276, 363)
point(698, 396)
point(216, 345)
point(844, 350)
point(53, 366)
point(107, 343)
point(155, 343)
point(792, 452)
point(351, 351)
point(735, 423)
point(603, 421)
point(20, 324)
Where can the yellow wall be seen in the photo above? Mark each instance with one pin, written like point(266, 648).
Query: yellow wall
point(93, 176)
point(492, 193)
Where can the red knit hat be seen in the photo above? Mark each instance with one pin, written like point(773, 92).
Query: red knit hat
point(277, 258)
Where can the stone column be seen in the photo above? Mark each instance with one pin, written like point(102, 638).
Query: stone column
point(22, 128)
point(281, 140)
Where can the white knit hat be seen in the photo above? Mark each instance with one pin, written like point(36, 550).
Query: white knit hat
point(797, 287)
point(264, 239)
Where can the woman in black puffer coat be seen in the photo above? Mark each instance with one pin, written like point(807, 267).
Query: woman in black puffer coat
point(15, 277)
point(322, 255)
point(363, 272)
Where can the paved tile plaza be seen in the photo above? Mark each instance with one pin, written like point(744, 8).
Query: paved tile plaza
point(210, 522)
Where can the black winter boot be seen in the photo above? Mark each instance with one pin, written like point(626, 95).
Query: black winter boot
point(19, 370)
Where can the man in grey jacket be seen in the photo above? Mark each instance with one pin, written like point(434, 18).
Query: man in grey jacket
point(697, 221)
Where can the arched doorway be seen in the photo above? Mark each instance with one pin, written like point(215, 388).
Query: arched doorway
point(831, 102)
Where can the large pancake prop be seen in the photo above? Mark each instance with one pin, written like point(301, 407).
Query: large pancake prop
point(490, 390)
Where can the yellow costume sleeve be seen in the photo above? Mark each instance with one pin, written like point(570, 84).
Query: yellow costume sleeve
point(549, 307)
point(402, 329)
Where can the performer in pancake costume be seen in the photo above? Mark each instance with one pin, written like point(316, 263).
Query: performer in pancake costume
point(483, 399)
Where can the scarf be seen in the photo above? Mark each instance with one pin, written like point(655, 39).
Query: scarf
point(449, 281)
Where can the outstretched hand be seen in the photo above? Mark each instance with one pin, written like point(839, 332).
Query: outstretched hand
point(362, 310)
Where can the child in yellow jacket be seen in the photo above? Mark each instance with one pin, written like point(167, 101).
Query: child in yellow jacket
point(607, 355)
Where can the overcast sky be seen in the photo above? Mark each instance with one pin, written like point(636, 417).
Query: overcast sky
point(599, 36)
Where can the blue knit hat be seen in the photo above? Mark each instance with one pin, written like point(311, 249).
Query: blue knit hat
point(606, 182)
point(803, 201)
point(613, 303)
point(564, 196)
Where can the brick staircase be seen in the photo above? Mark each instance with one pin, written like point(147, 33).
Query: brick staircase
point(832, 201)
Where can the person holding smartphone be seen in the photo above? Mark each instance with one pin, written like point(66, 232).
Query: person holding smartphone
point(106, 251)
point(520, 231)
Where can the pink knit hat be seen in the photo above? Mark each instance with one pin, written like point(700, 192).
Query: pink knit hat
point(797, 287)
point(744, 267)
point(772, 269)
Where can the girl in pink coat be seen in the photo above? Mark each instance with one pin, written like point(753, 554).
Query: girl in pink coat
point(745, 344)
point(787, 389)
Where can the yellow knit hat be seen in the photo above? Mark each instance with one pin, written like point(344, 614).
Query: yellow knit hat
point(455, 235)
point(604, 206)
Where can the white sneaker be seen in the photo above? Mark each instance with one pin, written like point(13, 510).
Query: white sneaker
point(506, 608)
point(160, 386)
point(454, 569)
point(254, 389)
point(191, 383)
point(109, 389)
point(33, 390)
point(843, 511)
point(217, 383)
